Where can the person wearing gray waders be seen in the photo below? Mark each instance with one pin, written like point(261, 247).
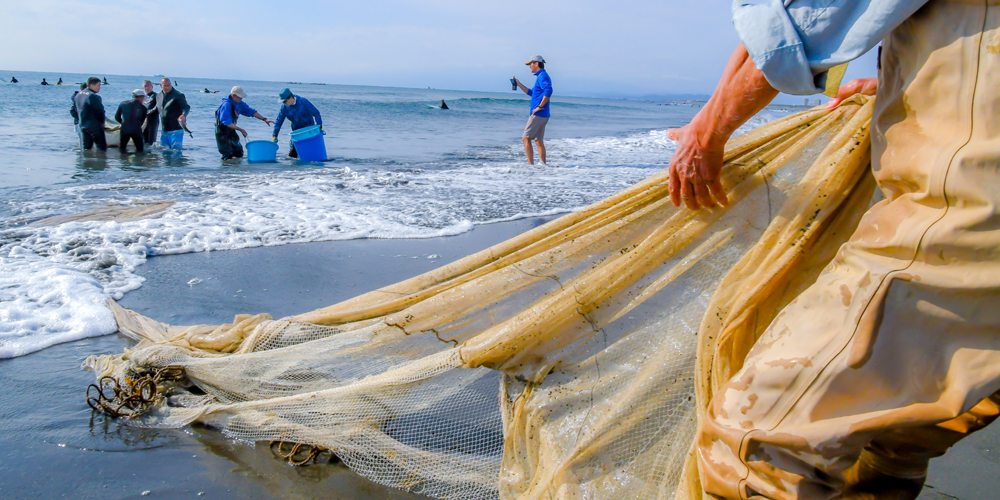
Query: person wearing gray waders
point(300, 112)
point(152, 115)
point(132, 114)
point(892, 354)
point(539, 117)
point(74, 110)
point(225, 123)
point(92, 117)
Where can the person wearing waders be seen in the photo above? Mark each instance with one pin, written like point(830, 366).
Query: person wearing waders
point(173, 109)
point(132, 114)
point(300, 112)
point(893, 354)
point(225, 123)
point(152, 115)
point(74, 110)
point(92, 117)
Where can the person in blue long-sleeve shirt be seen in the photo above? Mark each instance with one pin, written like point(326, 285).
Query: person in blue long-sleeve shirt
point(540, 94)
point(225, 123)
point(300, 112)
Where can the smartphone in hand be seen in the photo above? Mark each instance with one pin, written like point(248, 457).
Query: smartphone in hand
point(513, 83)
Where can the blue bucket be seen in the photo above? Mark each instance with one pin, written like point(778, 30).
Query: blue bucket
point(309, 143)
point(262, 151)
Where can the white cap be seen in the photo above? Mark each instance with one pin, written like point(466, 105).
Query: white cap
point(138, 93)
point(238, 92)
point(535, 59)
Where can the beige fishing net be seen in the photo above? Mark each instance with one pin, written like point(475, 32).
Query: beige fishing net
point(558, 364)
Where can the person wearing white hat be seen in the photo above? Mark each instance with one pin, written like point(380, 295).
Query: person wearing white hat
point(132, 114)
point(225, 123)
point(539, 118)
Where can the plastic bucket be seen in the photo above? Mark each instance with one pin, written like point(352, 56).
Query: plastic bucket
point(261, 151)
point(309, 143)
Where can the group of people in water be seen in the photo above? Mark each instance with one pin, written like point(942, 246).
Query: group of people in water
point(14, 79)
point(149, 114)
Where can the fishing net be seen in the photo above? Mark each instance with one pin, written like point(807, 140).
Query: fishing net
point(558, 364)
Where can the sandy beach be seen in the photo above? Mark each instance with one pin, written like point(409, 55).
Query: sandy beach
point(53, 446)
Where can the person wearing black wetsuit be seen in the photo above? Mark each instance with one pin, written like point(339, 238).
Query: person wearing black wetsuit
point(44, 82)
point(152, 114)
point(132, 114)
point(13, 79)
point(59, 82)
point(443, 104)
point(105, 80)
point(92, 117)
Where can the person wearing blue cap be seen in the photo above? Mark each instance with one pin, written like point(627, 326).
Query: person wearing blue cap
point(300, 112)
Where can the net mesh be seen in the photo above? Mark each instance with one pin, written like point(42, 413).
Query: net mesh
point(571, 361)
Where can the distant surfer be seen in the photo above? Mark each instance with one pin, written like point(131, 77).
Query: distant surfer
point(206, 91)
point(225, 123)
point(173, 109)
point(444, 105)
point(13, 79)
point(300, 112)
point(59, 82)
point(44, 82)
point(539, 117)
point(105, 80)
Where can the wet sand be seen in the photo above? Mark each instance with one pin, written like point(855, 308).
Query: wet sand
point(53, 446)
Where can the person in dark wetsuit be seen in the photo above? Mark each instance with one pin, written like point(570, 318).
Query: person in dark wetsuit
point(59, 82)
point(105, 80)
point(44, 82)
point(152, 114)
point(132, 114)
point(443, 104)
point(92, 117)
point(225, 123)
point(13, 79)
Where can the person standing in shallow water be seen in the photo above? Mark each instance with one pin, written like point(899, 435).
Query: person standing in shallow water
point(92, 117)
point(539, 118)
point(300, 112)
point(173, 109)
point(152, 114)
point(132, 114)
point(225, 123)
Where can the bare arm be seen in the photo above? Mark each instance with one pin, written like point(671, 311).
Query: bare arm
point(697, 164)
point(261, 117)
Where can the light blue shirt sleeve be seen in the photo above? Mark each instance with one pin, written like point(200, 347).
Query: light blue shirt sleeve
point(795, 42)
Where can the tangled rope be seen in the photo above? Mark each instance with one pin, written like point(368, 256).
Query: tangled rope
point(135, 396)
point(312, 453)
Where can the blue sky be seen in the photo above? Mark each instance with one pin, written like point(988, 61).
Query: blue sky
point(624, 48)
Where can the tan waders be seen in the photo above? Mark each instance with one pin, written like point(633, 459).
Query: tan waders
point(893, 354)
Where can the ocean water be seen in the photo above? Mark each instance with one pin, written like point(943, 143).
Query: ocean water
point(398, 168)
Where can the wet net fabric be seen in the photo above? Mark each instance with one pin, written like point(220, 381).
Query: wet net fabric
point(572, 361)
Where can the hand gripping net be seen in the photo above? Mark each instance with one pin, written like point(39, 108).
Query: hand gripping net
point(558, 364)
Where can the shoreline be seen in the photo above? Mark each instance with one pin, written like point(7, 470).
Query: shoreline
point(53, 445)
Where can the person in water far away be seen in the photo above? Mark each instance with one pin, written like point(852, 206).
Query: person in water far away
point(152, 115)
point(225, 123)
point(44, 82)
point(59, 82)
point(92, 117)
point(892, 355)
point(105, 80)
point(173, 109)
point(539, 118)
point(132, 114)
point(13, 79)
point(300, 112)
point(444, 105)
